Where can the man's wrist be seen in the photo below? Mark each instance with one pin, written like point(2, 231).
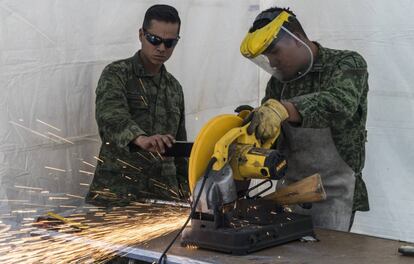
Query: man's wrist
point(294, 115)
point(138, 139)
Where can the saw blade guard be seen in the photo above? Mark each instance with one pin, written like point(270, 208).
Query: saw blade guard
point(203, 148)
point(216, 140)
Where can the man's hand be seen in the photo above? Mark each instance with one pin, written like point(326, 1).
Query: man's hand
point(155, 143)
point(266, 119)
point(243, 108)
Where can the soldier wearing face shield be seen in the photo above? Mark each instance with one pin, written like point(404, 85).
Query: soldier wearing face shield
point(318, 98)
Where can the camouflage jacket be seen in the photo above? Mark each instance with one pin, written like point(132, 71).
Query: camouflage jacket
point(130, 103)
point(334, 94)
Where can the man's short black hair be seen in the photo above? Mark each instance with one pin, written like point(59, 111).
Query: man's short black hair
point(293, 24)
point(164, 13)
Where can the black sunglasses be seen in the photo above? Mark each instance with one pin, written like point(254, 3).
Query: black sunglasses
point(156, 41)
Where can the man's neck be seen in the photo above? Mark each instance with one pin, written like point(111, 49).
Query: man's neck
point(149, 67)
point(314, 48)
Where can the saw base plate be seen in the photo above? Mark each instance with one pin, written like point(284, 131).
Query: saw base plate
point(247, 237)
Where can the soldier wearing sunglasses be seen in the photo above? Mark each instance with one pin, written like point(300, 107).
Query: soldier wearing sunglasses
point(140, 104)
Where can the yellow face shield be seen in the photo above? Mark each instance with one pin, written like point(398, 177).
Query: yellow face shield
point(256, 42)
point(275, 49)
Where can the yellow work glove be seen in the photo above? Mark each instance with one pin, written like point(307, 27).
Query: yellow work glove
point(265, 120)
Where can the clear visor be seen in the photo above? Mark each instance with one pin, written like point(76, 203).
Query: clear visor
point(284, 60)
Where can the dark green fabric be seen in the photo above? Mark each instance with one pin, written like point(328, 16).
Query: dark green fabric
point(334, 95)
point(129, 103)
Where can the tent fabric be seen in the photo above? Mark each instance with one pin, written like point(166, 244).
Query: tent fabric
point(52, 54)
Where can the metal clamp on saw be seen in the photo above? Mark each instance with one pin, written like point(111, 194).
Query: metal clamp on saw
point(223, 160)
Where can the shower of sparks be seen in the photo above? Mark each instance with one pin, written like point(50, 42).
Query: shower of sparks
point(143, 156)
point(143, 99)
point(192, 246)
point(28, 188)
point(159, 155)
point(75, 196)
point(67, 206)
point(23, 211)
point(58, 198)
point(87, 163)
point(55, 169)
point(86, 172)
point(15, 201)
point(98, 159)
point(33, 131)
point(39, 205)
point(107, 233)
point(153, 156)
point(49, 125)
point(165, 187)
point(126, 163)
point(61, 138)
point(142, 85)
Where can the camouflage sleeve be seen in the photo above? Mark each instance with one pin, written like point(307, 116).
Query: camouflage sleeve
point(182, 163)
point(112, 111)
point(182, 132)
point(341, 98)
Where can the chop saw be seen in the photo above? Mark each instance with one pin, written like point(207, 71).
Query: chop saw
point(228, 215)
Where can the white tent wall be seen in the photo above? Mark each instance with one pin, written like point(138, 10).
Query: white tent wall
point(382, 31)
point(52, 54)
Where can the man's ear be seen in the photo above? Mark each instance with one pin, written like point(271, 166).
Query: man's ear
point(299, 36)
point(140, 34)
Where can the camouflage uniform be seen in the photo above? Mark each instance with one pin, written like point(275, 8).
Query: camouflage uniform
point(334, 94)
point(130, 103)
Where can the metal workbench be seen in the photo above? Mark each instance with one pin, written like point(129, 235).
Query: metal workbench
point(333, 247)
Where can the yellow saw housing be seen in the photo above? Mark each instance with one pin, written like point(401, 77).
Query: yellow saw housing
point(225, 139)
point(203, 147)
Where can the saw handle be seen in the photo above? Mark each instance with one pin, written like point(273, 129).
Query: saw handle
point(245, 114)
point(237, 135)
point(307, 190)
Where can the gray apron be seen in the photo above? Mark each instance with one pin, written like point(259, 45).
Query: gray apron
point(309, 151)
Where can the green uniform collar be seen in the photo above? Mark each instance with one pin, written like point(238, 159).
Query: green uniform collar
point(318, 65)
point(139, 69)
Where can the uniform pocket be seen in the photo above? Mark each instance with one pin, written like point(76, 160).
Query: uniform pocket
point(140, 111)
point(137, 101)
point(174, 111)
point(174, 118)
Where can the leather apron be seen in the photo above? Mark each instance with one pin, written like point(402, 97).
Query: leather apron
point(309, 151)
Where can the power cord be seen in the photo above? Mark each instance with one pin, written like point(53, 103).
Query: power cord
point(193, 208)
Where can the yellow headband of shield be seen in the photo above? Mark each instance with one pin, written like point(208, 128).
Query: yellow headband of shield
point(256, 42)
